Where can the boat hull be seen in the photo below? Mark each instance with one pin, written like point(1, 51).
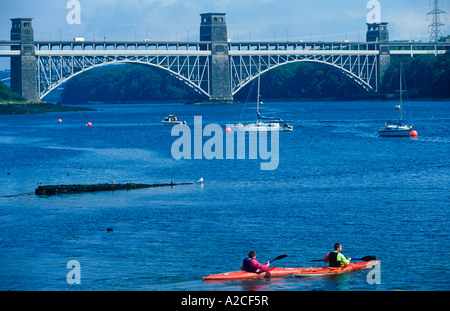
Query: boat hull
point(276, 272)
point(395, 133)
point(173, 122)
point(319, 271)
point(283, 272)
point(395, 130)
point(264, 127)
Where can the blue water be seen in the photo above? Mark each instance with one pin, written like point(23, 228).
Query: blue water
point(337, 181)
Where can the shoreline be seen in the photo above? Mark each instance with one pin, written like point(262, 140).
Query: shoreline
point(389, 97)
point(20, 108)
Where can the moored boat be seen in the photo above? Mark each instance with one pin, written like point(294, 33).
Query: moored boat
point(392, 129)
point(263, 123)
point(261, 127)
point(397, 129)
point(172, 120)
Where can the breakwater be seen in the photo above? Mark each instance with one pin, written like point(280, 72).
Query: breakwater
point(65, 189)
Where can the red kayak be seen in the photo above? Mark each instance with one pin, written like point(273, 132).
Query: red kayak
point(318, 271)
point(275, 272)
point(281, 272)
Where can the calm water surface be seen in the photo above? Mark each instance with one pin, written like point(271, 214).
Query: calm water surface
point(337, 181)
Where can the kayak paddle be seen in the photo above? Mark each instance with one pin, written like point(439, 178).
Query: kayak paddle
point(279, 257)
point(365, 258)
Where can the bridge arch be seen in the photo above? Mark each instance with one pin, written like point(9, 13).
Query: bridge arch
point(361, 70)
point(54, 71)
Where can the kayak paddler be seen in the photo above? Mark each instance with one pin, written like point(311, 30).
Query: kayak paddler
point(250, 264)
point(335, 258)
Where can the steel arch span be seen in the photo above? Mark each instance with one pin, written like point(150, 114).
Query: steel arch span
point(360, 69)
point(52, 71)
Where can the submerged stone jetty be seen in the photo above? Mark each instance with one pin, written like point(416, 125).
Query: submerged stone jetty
point(63, 189)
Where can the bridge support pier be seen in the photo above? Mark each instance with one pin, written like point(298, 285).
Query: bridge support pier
point(23, 67)
point(378, 32)
point(213, 28)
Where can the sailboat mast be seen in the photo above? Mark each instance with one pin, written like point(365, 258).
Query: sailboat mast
point(401, 90)
point(257, 95)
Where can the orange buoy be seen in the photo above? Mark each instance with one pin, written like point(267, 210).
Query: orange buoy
point(89, 124)
point(228, 130)
point(413, 133)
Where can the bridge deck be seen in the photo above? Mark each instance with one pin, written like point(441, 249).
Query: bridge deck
point(9, 53)
point(120, 53)
point(199, 47)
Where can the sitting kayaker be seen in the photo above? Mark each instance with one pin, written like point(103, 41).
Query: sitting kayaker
point(250, 264)
point(335, 259)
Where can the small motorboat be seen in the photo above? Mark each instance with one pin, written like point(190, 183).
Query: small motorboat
point(172, 120)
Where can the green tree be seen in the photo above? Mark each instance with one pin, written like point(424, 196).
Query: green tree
point(125, 82)
point(424, 76)
point(7, 94)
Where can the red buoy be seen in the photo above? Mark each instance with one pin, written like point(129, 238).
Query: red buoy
point(413, 133)
point(59, 120)
point(228, 130)
point(89, 124)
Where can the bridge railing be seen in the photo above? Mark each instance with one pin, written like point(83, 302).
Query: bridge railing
point(419, 46)
point(202, 46)
point(123, 45)
point(303, 46)
point(395, 47)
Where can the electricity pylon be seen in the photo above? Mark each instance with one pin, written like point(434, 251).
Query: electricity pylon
point(436, 25)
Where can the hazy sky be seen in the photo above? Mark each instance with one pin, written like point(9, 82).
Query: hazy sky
point(332, 20)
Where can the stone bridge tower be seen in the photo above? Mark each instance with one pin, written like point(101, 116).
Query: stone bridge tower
point(378, 32)
point(23, 67)
point(214, 28)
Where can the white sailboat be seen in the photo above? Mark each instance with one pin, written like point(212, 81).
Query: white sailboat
point(397, 129)
point(264, 123)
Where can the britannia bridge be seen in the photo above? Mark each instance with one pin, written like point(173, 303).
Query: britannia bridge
point(213, 66)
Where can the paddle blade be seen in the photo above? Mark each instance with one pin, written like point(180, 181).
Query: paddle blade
point(366, 258)
point(279, 257)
